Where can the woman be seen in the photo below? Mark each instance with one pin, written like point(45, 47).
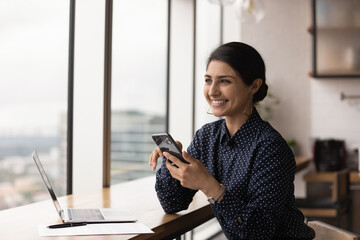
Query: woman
point(241, 163)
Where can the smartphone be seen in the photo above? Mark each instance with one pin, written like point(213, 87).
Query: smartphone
point(167, 144)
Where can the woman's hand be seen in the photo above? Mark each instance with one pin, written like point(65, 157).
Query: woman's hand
point(193, 175)
point(154, 156)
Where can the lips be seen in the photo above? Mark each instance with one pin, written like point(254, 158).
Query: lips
point(218, 103)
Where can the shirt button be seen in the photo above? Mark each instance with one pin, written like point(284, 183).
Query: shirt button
point(239, 220)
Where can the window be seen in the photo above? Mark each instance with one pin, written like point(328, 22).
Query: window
point(139, 82)
point(33, 98)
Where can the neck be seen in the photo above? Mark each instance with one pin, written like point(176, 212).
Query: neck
point(233, 124)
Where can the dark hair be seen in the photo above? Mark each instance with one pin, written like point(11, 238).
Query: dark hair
point(246, 61)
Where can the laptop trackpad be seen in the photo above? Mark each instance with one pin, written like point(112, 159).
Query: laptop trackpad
point(117, 215)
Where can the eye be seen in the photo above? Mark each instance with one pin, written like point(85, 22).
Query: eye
point(225, 81)
point(208, 80)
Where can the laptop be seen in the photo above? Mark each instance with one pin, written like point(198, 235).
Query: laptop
point(71, 215)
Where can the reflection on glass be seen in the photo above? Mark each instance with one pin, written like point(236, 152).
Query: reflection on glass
point(138, 101)
point(33, 97)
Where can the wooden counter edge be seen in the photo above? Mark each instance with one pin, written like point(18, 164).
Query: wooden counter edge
point(179, 225)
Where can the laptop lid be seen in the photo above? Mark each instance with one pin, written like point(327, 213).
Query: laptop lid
point(47, 182)
point(108, 214)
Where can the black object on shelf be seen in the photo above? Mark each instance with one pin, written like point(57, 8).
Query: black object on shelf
point(329, 155)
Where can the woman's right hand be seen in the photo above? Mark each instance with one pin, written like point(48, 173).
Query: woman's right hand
point(154, 156)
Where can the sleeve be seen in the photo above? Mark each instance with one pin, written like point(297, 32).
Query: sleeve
point(172, 196)
point(270, 186)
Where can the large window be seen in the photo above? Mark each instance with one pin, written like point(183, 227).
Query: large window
point(139, 72)
point(33, 97)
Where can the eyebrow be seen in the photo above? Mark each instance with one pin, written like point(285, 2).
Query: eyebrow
point(220, 76)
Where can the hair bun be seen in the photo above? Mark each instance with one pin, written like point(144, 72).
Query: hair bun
point(261, 93)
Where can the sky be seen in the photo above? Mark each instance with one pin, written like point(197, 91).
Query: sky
point(33, 65)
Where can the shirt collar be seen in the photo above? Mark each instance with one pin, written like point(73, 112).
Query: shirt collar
point(247, 128)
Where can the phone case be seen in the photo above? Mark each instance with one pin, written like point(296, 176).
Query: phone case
point(167, 144)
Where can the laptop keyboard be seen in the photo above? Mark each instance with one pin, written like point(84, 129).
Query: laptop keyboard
point(84, 214)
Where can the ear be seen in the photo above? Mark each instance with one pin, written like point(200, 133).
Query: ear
point(256, 85)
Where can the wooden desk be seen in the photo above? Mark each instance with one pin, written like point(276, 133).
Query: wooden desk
point(137, 196)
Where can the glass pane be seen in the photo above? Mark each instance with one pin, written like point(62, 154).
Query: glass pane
point(33, 98)
point(338, 37)
point(139, 67)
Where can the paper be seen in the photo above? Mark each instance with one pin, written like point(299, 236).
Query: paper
point(95, 229)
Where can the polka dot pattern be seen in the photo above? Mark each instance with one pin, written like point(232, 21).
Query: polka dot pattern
point(257, 168)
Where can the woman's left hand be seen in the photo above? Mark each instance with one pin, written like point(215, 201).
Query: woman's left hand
point(193, 175)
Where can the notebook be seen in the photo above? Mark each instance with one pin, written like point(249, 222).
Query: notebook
point(96, 215)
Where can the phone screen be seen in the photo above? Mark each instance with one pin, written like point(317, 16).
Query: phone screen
point(167, 144)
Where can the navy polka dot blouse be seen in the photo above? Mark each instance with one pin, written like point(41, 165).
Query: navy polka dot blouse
point(257, 169)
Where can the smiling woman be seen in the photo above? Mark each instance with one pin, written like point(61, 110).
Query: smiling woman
point(234, 82)
point(227, 94)
point(241, 163)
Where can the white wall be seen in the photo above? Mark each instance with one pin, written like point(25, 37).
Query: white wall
point(181, 70)
point(207, 39)
point(283, 41)
point(333, 117)
point(88, 95)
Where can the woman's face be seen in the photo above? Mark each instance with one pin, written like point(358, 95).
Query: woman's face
point(225, 91)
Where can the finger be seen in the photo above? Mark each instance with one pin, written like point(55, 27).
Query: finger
point(153, 160)
point(154, 156)
point(188, 157)
point(159, 152)
point(174, 159)
point(179, 144)
point(172, 169)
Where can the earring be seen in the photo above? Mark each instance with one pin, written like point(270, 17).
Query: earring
point(250, 108)
point(209, 111)
point(247, 114)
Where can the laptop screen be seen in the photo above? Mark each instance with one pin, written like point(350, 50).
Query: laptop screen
point(46, 181)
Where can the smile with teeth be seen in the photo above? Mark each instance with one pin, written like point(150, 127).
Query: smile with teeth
point(217, 103)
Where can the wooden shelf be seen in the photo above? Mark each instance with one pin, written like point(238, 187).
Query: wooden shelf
point(354, 177)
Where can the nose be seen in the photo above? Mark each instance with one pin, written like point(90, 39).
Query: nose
point(214, 89)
